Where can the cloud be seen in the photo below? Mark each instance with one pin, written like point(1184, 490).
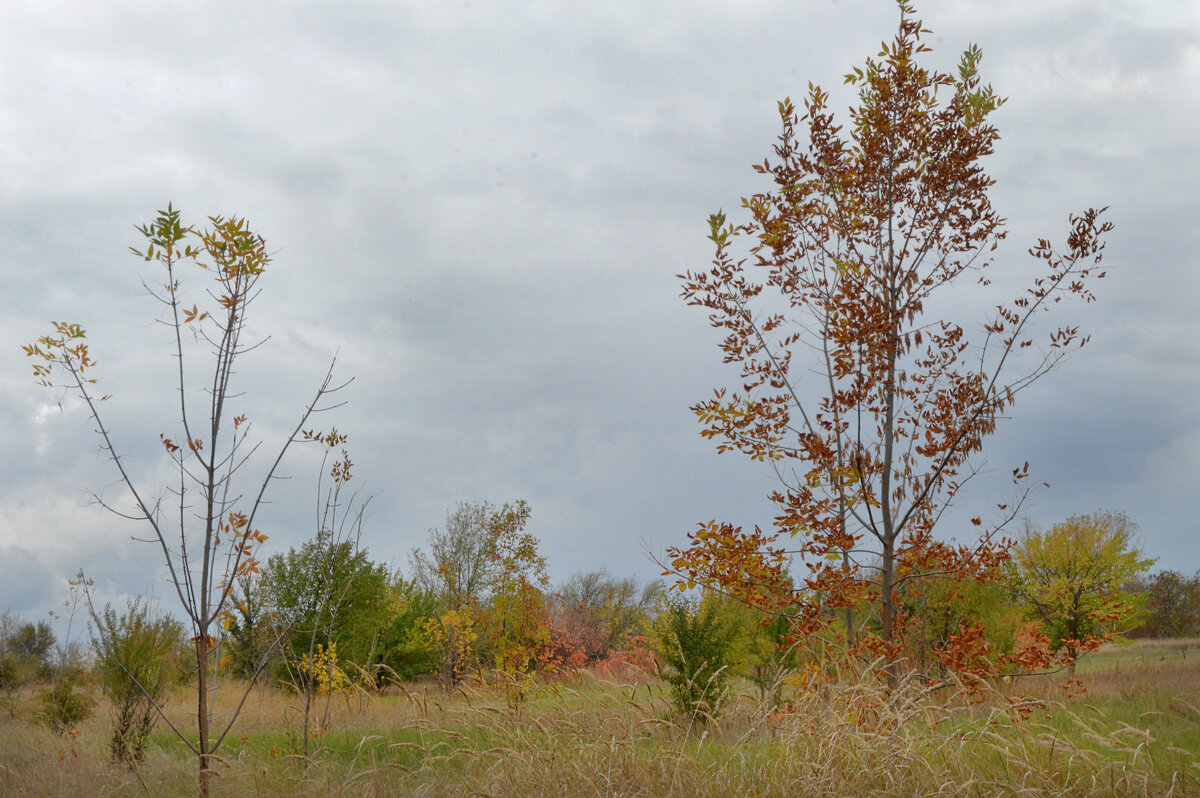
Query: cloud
point(482, 208)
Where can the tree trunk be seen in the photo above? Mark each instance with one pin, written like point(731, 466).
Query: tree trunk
point(887, 609)
point(202, 710)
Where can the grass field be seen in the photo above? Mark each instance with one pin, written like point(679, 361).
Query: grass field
point(1135, 732)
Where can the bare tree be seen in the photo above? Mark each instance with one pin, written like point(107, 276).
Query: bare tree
point(460, 561)
point(204, 522)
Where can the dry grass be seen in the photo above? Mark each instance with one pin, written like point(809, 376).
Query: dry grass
point(1136, 733)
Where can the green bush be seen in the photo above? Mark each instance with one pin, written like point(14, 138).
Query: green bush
point(248, 638)
point(770, 652)
point(25, 651)
point(133, 652)
point(322, 593)
point(17, 667)
point(404, 647)
point(696, 641)
point(66, 704)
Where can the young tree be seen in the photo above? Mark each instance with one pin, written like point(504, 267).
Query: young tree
point(868, 405)
point(206, 526)
point(696, 640)
point(1070, 579)
point(516, 619)
point(451, 636)
point(25, 650)
point(327, 600)
point(30, 644)
point(458, 572)
point(328, 592)
point(14, 671)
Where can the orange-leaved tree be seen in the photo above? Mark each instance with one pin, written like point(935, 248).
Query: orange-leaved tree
point(868, 403)
point(206, 527)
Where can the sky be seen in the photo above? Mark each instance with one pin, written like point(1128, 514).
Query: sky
point(480, 208)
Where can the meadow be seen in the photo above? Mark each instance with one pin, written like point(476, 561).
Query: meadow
point(1136, 731)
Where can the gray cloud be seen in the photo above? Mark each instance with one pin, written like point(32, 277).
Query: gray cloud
point(481, 207)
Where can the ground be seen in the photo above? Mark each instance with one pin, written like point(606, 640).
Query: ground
point(1136, 731)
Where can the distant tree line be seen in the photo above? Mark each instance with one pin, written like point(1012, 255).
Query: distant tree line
point(476, 601)
point(324, 620)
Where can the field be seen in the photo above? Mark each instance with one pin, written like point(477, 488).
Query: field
point(1135, 732)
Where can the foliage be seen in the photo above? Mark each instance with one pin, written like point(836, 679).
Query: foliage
point(1172, 605)
point(66, 703)
point(849, 255)
point(937, 612)
point(323, 670)
point(328, 593)
point(771, 652)
point(404, 647)
point(247, 636)
point(564, 649)
point(634, 660)
point(601, 610)
point(1070, 578)
point(515, 620)
point(133, 652)
point(25, 650)
point(217, 537)
point(487, 579)
point(452, 636)
point(31, 644)
point(696, 642)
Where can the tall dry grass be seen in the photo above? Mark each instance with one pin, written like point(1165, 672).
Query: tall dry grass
point(1136, 734)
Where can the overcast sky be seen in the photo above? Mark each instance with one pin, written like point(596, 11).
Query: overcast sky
point(483, 206)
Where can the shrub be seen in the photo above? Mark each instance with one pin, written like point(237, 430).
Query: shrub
point(134, 652)
point(633, 661)
point(602, 610)
point(452, 636)
point(17, 666)
point(66, 704)
point(695, 641)
point(25, 650)
point(404, 647)
point(247, 637)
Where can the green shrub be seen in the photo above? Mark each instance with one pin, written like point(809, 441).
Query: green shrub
point(404, 647)
point(771, 653)
point(25, 650)
point(66, 704)
point(134, 651)
point(245, 634)
point(696, 642)
point(17, 667)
